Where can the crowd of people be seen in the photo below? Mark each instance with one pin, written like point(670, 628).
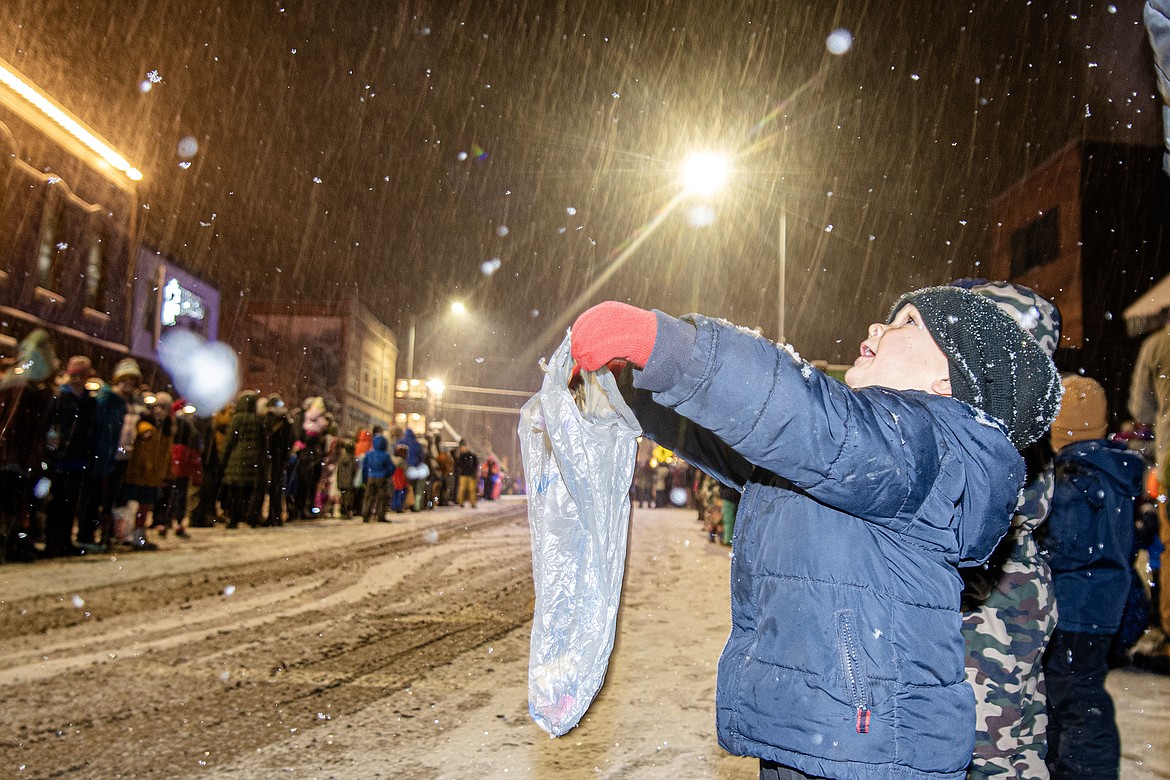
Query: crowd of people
point(88, 465)
point(1050, 597)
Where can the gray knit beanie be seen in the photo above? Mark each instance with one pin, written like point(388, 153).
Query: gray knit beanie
point(994, 365)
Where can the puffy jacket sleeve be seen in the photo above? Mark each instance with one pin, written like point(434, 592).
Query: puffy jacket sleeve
point(692, 442)
point(869, 453)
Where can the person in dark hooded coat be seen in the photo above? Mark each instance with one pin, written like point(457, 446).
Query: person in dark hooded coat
point(416, 468)
point(26, 401)
point(280, 433)
point(245, 459)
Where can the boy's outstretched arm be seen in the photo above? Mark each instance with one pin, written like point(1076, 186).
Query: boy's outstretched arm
point(617, 331)
point(869, 455)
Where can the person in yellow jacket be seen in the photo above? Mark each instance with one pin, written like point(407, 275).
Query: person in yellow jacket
point(149, 466)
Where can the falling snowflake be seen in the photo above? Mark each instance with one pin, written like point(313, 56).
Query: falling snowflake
point(839, 41)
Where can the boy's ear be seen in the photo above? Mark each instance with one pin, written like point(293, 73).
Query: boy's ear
point(941, 386)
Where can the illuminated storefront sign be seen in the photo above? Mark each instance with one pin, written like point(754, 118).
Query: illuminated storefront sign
point(178, 302)
point(168, 297)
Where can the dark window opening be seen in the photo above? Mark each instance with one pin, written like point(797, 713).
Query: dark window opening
point(1036, 243)
point(51, 251)
point(95, 274)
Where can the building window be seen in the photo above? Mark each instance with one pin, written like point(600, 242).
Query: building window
point(1036, 243)
point(95, 273)
point(51, 251)
point(353, 360)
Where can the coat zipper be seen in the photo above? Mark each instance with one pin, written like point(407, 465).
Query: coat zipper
point(855, 677)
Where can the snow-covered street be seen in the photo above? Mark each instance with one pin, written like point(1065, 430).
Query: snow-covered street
point(336, 649)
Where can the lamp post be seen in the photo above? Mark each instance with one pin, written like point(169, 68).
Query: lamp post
point(783, 268)
point(702, 175)
point(457, 307)
point(410, 351)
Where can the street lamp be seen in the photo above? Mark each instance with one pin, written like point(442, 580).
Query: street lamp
point(458, 308)
point(703, 174)
point(783, 266)
point(435, 398)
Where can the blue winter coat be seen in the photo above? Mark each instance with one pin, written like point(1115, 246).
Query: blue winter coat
point(415, 454)
point(845, 657)
point(1089, 539)
point(377, 463)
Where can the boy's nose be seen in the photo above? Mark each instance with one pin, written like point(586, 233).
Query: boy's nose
point(875, 330)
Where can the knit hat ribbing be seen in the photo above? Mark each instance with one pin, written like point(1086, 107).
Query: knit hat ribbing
point(1033, 312)
point(995, 366)
point(127, 368)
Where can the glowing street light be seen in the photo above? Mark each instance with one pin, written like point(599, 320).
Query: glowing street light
point(704, 173)
point(458, 308)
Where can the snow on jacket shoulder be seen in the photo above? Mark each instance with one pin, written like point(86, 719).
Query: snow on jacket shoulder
point(846, 656)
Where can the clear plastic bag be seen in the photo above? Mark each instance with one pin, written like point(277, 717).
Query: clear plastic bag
point(579, 466)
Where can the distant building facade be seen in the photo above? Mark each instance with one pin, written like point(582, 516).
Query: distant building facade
point(339, 351)
point(1088, 229)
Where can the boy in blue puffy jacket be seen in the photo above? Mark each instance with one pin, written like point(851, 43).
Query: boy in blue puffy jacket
point(858, 502)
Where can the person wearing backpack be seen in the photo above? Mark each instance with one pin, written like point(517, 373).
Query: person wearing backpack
point(1089, 545)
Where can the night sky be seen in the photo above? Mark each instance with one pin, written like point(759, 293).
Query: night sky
point(506, 153)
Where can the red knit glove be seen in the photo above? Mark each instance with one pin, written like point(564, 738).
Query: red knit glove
point(613, 330)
